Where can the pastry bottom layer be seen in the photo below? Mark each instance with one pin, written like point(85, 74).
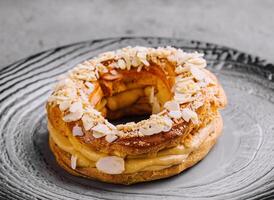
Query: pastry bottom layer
point(63, 159)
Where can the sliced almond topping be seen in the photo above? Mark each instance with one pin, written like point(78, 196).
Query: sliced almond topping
point(121, 63)
point(111, 77)
point(102, 129)
point(111, 165)
point(64, 105)
point(199, 62)
point(197, 104)
point(110, 125)
point(197, 73)
point(135, 62)
point(76, 107)
point(168, 124)
point(90, 86)
point(77, 131)
point(139, 68)
point(181, 98)
point(172, 106)
point(180, 69)
point(73, 162)
point(97, 134)
point(111, 137)
point(188, 114)
point(175, 114)
point(142, 56)
point(88, 122)
point(73, 116)
point(151, 129)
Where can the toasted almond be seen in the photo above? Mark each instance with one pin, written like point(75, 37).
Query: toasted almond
point(188, 114)
point(110, 125)
point(73, 162)
point(121, 63)
point(180, 69)
point(197, 73)
point(90, 86)
point(111, 77)
point(111, 165)
point(172, 105)
point(97, 134)
point(77, 131)
point(199, 62)
point(153, 129)
point(73, 116)
point(168, 124)
point(180, 98)
point(101, 128)
point(76, 107)
point(175, 114)
point(88, 122)
point(64, 105)
point(111, 138)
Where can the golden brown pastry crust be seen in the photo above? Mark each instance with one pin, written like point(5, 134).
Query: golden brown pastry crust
point(188, 95)
point(63, 160)
point(146, 144)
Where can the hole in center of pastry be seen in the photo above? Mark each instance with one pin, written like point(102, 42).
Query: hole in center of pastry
point(134, 96)
point(127, 119)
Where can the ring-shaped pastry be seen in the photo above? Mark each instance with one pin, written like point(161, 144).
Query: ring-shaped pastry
point(173, 87)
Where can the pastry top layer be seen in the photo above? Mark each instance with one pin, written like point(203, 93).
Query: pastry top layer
point(196, 95)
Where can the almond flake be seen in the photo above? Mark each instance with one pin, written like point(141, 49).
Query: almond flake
point(77, 131)
point(199, 62)
point(64, 105)
point(121, 63)
point(197, 104)
point(76, 107)
point(90, 86)
point(97, 134)
point(168, 124)
point(139, 68)
point(73, 161)
point(188, 114)
point(101, 128)
point(73, 116)
point(152, 129)
point(180, 98)
point(197, 73)
point(172, 105)
point(111, 137)
point(111, 165)
point(110, 125)
point(88, 122)
point(175, 114)
point(180, 69)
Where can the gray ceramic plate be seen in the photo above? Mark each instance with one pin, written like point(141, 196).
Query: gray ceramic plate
point(240, 166)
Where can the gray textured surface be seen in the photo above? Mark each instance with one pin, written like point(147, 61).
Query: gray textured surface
point(28, 27)
point(240, 166)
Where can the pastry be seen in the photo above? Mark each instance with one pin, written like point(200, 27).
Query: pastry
point(181, 97)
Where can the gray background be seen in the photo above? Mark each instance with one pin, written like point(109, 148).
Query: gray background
point(31, 26)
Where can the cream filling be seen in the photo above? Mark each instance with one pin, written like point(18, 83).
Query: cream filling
point(163, 159)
